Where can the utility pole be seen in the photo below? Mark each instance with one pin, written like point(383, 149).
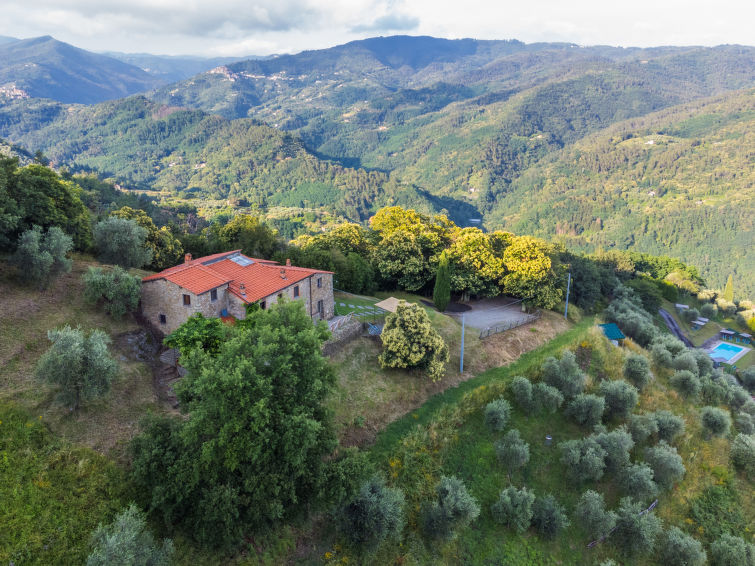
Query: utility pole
point(568, 285)
point(461, 363)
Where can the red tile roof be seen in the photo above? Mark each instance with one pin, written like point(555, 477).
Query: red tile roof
point(260, 278)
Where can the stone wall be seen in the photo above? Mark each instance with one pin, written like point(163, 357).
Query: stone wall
point(323, 293)
point(163, 297)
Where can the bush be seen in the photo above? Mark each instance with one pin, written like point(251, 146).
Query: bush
point(669, 425)
point(40, 258)
point(642, 427)
point(708, 310)
point(584, 459)
point(636, 480)
point(513, 452)
point(128, 542)
point(79, 363)
point(375, 514)
point(621, 398)
point(121, 242)
point(680, 549)
point(497, 414)
point(514, 508)
point(745, 423)
point(548, 517)
point(410, 341)
point(730, 550)
point(564, 375)
point(521, 388)
point(453, 509)
point(713, 390)
point(686, 383)
point(743, 454)
point(592, 514)
point(748, 379)
point(637, 370)
point(690, 314)
point(635, 534)
point(546, 398)
point(617, 445)
point(119, 291)
point(586, 409)
point(715, 421)
point(667, 465)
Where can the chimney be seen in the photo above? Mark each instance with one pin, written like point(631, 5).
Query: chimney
point(242, 288)
point(288, 262)
point(283, 273)
point(187, 258)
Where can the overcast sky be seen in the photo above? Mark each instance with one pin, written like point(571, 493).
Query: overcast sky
point(262, 27)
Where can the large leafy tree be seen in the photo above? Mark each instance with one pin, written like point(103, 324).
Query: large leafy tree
point(400, 261)
point(530, 272)
point(475, 267)
point(166, 249)
point(252, 236)
point(251, 450)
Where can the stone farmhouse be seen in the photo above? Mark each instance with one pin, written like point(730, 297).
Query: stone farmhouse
point(221, 285)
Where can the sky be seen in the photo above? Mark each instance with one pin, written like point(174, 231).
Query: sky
point(265, 27)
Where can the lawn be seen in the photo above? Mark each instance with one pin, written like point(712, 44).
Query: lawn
point(363, 307)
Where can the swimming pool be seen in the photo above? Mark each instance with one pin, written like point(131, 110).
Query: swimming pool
point(727, 351)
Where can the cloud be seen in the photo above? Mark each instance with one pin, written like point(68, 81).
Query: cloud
point(389, 22)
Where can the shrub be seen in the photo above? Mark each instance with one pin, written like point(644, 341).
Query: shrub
point(617, 445)
point(453, 509)
point(40, 258)
point(121, 242)
point(727, 308)
point(686, 361)
point(119, 291)
point(745, 423)
point(737, 396)
point(128, 542)
point(621, 397)
point(546, 398)
point(376, 513)
point(715, 421)
point(592, 514)
point(635, 534)
point(730, 550)
point(708, 310)
point(513, 452)
point(497, 414)
point(669, 425)
point(686, 383)
point(584, 459)
point(514, 508)
point(548, 517)
point(637, 370)
point(521, 388)
point(680, 549)
point(743, 454)
point(690, 314)
point(586, 409)
point(642, 427)
point(713, 390)
point(637, 480)
point(564, 375)
point(748, 378)
point(79, 363)
point(667, 465)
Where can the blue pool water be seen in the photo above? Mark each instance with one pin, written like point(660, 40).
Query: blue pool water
point(726, 351)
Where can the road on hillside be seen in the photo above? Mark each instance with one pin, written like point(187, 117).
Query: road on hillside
point(674, 328)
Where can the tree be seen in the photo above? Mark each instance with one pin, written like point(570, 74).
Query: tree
point(686, 362)
point(592, 515)
point(521, 388)
point(530, 272)
point(667, 465)
point(635, 533)
point(400, 261)
point(743, 454)
point(128, 542)
point(475, 267)
point(686, 383)
point(375, 514)
point(715, 421)
point(583, 460)
point(586, 409)
point(514, 508)
point(121, 242)
point(708, 310)
point(621, 398)
point(252, 450)
point(497, 414)
point(198, 332)
point(564, 375)
point(637, 480)
point(78, 363)
point(637, 370)
point(410, 341)
point(669, 425)
point(442, 290)
point(549, 517)
point(642, 427)
point(728, 293)
point(745, 423)
point(513, 452)
point(453, 509)
point(119, 291)
point(40, 258)
point(617, 444)
point(166, 249)
point(748, 378)
point(730, 550)
point(680, 549)
point(546, 398)
point(249, 234)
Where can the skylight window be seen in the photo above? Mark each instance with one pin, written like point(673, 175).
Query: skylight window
point(241, 260)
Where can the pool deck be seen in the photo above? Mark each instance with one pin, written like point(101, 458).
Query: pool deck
point(735, 357)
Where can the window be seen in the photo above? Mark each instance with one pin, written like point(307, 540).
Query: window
point(214, 295)
point(163, 320)
point(187, 300)
point(319, 282)
point(280, 296)
point(296, 291)
point(263, 305)
point(319, 306)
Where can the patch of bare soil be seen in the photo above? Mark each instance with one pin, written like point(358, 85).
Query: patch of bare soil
point(506, 347)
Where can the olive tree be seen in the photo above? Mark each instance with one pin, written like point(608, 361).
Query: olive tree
point(522, 390)
point(375, 514)
point(453, 509)
point(621, 398)
point(512, 452)
point(549, 517)
point(617, 445)
point(40, 258)
point(118, 291)
point(584, 460)
point(546, 398)
point(564, 374)
point(592, 514)
point(686, 383)
point(635, 533)
point(716, 422)
point(121, 242)
point(677, 548)
point(514, 508)
point(642, 427)
point(637, 480)
point(743, 454)
point(586, 409)
point(730, 550)
point(667, 465)
point(637, 370)
point(497, 414)
point(669, 425)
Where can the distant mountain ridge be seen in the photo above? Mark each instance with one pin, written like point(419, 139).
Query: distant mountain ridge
point(174, 68)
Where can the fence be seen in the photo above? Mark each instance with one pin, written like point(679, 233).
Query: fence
point(605, 536)
point(489, 331)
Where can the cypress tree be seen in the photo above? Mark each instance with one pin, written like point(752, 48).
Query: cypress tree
point(442, 290)
point(729, 289)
